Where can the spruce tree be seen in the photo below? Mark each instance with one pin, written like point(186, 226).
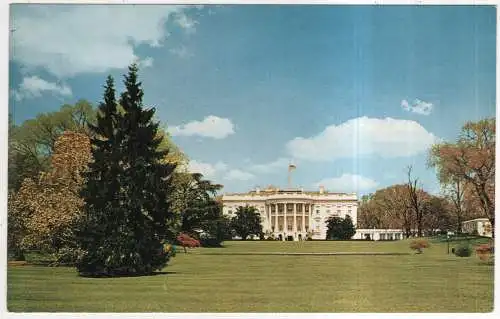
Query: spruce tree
point(101, 191)
point(128, 189)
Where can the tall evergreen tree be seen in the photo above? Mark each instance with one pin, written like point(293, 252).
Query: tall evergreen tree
point(101, 192)
point(128, 189)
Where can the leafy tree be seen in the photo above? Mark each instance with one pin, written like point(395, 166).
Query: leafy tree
point(246, 222)
point(370, 213)
point(470, 159)
point(31, 144)
point(129, 185)
point(216, 230)
point(339, 228)
point(454, 190)
point(197, 202)
point(437, 214)
point(393, 201)
point(16, 229)
point(47, 210)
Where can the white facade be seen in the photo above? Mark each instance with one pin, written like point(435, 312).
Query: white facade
point(294, 213)
point(379, 234)
point(480, 226)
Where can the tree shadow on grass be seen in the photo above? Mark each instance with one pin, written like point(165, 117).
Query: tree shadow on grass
point(125, 275)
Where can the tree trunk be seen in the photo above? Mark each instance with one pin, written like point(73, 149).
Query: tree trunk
point(407, 232)
point(419, 226)
point(459, 223)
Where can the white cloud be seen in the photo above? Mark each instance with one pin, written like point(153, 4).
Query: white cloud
point(220, 166)
point(217, 170)
point(417, 106)
point(239, 175)
point(364, 136)
point(186, 23)
point(281, 164)
point(347, 183)
point(211, 126)
point(34, 86)
point(181, 52)
point(68, 40)
point(146, 62)
point(208, 170)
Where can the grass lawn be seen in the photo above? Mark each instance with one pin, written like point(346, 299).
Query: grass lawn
point(211, 280)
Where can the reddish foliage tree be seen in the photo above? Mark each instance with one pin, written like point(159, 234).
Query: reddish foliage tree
point(419, 245)
point(187, 241)
point(471, 160)
point(485, 251)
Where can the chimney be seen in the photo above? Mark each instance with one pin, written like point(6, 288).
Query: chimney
point(322, 189)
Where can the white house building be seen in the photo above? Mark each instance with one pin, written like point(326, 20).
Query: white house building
point(290, 214)
point(479, 226)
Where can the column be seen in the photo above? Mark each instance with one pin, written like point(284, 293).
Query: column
point(310, 218)
point(268, 217)
point(304, 219)
point(275, 218)
point(285, 229)
point(294, 218)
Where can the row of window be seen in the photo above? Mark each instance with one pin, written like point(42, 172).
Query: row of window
point(328, 212)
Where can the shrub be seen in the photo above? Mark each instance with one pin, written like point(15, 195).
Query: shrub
point(418, 245)
point(463, 250)
point(339, 228)
point(485, 251)
point(187, 241)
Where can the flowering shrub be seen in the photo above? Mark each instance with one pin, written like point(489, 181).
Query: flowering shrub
point(485, 251)
point(418, 245)
point(187, 241)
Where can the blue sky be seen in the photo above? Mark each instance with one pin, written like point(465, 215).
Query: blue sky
point(351, 94)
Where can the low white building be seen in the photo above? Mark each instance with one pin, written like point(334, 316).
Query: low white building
point(478, 226)
point(379, 234)
point(291, 214)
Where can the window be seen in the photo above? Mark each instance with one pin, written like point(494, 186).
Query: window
point(338, 211)
point(328, 211)
point(230, 212)
point(382, 236)
point(349, 211)
point(273, 208)
point(307, 208)
point(317, 227)
point(317, 212)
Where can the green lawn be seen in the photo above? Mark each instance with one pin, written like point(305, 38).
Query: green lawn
point(211, 280)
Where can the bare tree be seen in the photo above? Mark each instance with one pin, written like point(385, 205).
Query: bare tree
point(415, 200)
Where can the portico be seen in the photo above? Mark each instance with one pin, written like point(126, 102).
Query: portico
point(288, 218)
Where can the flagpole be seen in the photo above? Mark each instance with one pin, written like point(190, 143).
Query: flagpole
point(291, 167)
